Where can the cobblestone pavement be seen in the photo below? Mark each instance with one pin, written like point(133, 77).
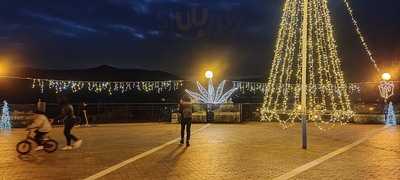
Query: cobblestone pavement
point(222, 151)
point(377, 158)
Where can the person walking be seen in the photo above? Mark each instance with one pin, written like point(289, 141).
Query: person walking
point(186, 109)
point(69, 118)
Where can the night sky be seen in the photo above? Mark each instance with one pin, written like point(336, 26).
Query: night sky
point(237, 38)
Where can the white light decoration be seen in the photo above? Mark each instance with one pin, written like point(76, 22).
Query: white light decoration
point(5, 123)
point(210, 96)
point(258, 87)
point(391, 116)
point(386, 89)
point(107, 86)
point(306, 69)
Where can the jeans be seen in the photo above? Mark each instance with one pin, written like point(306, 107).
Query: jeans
point(39, 136)
point(67, 132)
point(186, 123)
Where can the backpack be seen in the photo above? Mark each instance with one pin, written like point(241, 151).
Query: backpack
point(187, 112)
point(186, 109)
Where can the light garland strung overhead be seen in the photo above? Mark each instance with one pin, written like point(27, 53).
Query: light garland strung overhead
point(107, 86)
point(257, 87)
point(361, 36)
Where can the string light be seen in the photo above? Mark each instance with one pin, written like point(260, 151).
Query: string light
point(328, 100)
point(258, 87)
point(107, 86)
point(358, 30)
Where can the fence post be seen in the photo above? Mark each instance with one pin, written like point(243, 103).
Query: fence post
point(241, 112)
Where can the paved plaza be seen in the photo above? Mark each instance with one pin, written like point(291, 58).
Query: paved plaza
point(217, 151)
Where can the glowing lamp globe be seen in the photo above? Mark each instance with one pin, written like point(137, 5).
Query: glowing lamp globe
point(209, 74)
point(386, 76)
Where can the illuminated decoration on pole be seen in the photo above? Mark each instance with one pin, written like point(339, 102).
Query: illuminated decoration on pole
point(306, 76)
point(5, 123)
point(107, 86)
point(391, 116)
point(386, 88)
point(210, 96)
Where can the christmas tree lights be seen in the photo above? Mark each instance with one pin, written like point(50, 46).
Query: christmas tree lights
point(324, 90)
point(5, 123)
point(391, 116)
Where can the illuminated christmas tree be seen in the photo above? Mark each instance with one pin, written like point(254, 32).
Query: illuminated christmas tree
point(5, 123)
point(391, 116)
point(306, 76)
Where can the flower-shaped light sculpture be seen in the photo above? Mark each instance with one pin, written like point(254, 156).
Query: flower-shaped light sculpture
point(210, 96)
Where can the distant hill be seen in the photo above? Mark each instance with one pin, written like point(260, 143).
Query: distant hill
point(258, 79)
point(100, 73)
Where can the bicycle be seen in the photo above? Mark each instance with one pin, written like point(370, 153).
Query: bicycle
point(25, 146)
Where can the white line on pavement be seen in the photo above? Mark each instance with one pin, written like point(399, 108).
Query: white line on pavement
point(139, 156)
point(318, 161)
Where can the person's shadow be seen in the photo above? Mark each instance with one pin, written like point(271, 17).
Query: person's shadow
point(176, 152)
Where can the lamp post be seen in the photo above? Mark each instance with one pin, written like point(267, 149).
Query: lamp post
point(304, 55)
point(209, 75)
point(386, 89)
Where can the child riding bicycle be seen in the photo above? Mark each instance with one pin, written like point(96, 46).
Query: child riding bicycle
point(42, 126)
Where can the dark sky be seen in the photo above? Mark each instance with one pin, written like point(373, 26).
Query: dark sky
point(236, 39)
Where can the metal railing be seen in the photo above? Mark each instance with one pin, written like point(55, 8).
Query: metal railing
point(159, 112)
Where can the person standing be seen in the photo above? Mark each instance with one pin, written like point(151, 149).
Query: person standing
point(386, 111)
point(84, 118)
point(186, 108)
point(69, 118)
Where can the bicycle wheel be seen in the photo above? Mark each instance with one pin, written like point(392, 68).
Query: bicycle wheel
point(50, 146)
point(24, 147)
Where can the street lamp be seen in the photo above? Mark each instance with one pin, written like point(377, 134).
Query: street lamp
point(209, 74)
point(386, 89)
point(386, 76)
